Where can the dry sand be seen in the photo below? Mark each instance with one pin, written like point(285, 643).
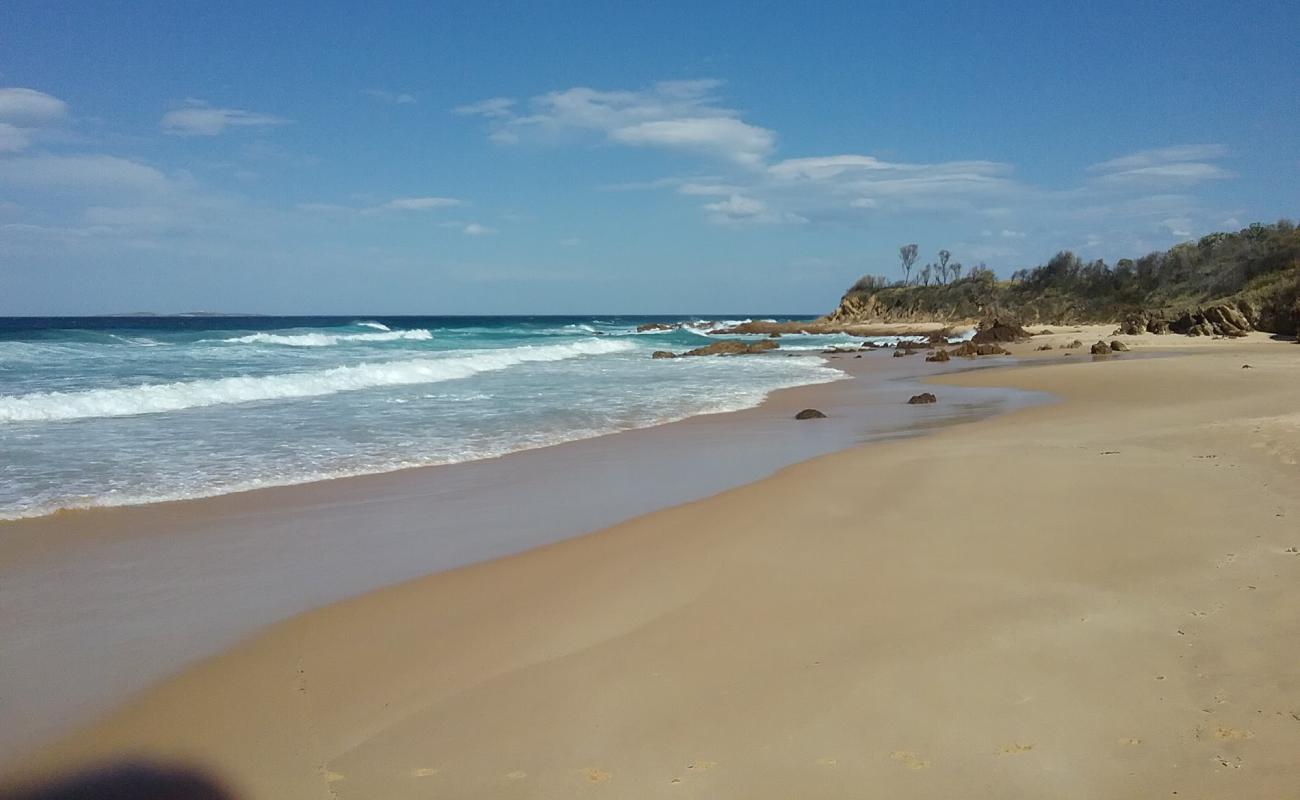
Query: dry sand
point(1097, 598)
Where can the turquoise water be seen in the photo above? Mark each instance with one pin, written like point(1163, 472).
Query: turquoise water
point(126, 410)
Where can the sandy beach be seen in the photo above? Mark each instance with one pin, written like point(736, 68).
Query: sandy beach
point(1096, 597)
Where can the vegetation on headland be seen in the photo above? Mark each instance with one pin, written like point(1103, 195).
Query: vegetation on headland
point(1255, 271)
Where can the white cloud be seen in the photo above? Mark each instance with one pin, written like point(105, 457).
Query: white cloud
point(29, 108)
point(202, 120)
point(396, 98)
point(723, 136)
point(94, 174)
point(419, 203)
point(674, 115)
point(475, 229)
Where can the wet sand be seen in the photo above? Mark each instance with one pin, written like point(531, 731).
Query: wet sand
point(1091, 598)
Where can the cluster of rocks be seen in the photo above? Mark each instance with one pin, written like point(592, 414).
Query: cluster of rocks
point(726, 347)
point(924, 398)
point(971, 349)
point(939, 355)
point(1225, 319)
point(1103, 349)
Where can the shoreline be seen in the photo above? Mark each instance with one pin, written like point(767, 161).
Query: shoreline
point(805, 633)
point(227, 565)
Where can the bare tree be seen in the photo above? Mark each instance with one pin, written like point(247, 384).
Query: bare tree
point(944, 255)
point(956, 270)
point(907, 255)
point(926, 272)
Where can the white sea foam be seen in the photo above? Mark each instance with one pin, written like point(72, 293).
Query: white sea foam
point(328, 339)
point(379, 326)
point(160, 398)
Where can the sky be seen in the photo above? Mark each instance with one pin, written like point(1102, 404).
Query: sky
point(588, 158)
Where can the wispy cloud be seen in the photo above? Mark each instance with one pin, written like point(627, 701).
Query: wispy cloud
point(419, 203)
point(199, 119)
point(673, 115)
point(397, 204)
point(385, 96)
point(475, 229)
point(1180, 164)
point(492, 108)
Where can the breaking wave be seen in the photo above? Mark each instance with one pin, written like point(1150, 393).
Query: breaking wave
point(165, 397)
point(327, 339)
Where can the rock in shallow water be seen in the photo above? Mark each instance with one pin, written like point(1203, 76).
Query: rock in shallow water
point(922, 399)
point(810, 413)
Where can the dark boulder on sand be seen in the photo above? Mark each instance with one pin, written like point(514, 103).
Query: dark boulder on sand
point(923, 398)
point(1118, 346)
point(999, 330)
point(939, 355)
point(1043, 347)
point(1076, 344)
point(900, 352)
point(1101, 349)
point(810, 413)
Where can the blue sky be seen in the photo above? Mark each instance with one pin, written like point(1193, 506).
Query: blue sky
point(590, 158)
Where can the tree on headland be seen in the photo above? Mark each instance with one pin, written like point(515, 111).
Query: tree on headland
point(907, 255)
point(926, 272)
point(944, 255)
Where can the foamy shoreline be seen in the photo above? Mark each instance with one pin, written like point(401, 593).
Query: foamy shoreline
point(310, 554)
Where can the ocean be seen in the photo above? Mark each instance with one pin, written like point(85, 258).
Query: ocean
point(110, 411)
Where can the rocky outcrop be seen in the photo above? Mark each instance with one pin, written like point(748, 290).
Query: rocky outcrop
point(994, 330)
point(810, 413)
point(1220, 320)
point(939, 355)
point(1043, 347)
point(663, 354)
point(1075, 345)
point(732, 347)
point(1101, 349)
point(656, 326)
point(924, 398)
point(1118, 347)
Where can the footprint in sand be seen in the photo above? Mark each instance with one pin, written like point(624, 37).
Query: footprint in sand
point(827, 761)
point(333, 777)
point(1014, 749)
point(424, 772)
point(516, 775)
point(702, 765)
point(909, 759)
point(1130, 740)
point(594, 775)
